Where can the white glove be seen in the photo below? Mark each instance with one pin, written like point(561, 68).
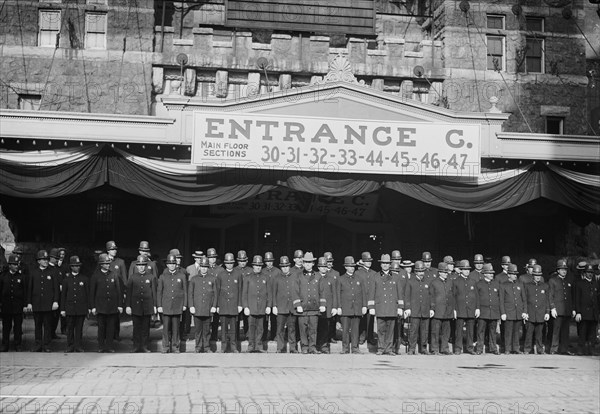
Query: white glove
point(477, 313)
point(578, 317)
point(268, 311)
point(572, 314)
point(274, 310)
point(212, 309)
point(431, 313)
point(455, 314)
point(333, 312)
point(155, 309)
point(299, 309)
point(192, 310)
point(54, 305)
point(546, 317)
point(128, 310)
point(554, 313)
point(503, 316)
point(30, 308)
point(63, 314)
point(239, 309)
point(524, 316)
point(25, 309)
point(372, 312)
point(339, 311)
point(364, 310)
point(93, 311)
point(120, 309)
point(183, 309)
point(322, 309)
point(407, 313)
point(400, 312)
point(160, 309)
point(247, 311)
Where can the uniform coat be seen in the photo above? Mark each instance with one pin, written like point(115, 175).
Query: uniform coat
point(352, 295)
point(561, 295)
point(44, 289)
point(172, 292)
point(202, 294)
point(256, 293)
point(141, 293)
point(538, 303)
point(442, 299)
point(229, 291)
point(105, 293)
point(75, 295)
point(513, 302)
point(465, 297)
point(329, 293)
point(417, 297)
point(285, 290)
point(386, 295)
point(488, 299)
point(13, 292)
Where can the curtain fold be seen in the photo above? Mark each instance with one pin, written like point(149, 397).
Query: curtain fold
point(337, 188)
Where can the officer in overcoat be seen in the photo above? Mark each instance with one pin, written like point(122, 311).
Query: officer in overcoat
point(141, 302)
point(14, 285)
point(171, 302)
point(75, 304)
point(202, 298)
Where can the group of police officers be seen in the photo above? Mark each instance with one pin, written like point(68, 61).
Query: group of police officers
point(432, 306)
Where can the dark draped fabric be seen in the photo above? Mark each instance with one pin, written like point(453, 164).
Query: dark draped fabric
point(180, 183)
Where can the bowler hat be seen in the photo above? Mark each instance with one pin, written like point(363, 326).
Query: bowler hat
point(385, 258)
point(142, 260)
point(110, 245)
point(328, 256)
point(488, 268)
point(171, 259)
point(144, 246)
point(13, 259)
point(512, 269)
point(74, 261)
point(366, 257)
point(478, 258)
point(242, 256)
point(349, 261)
point(269, 257)
point(308, 257)
point(561, 264)
point(284, 261)
point(426, 257)
point(176, 253)
point(442, 267)
point(537, 270)
point(505, 260)
point(322, 262)
point(419, 266)
point(42, 254)
point(104, 258)
point(396, 255)
point(298, 254)
point(212, 252)
point(257, 261)
point(228, 258)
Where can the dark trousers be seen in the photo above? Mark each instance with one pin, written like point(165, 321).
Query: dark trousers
point(214, 327)
point(118, 327)
point(308, 332)
point(324, 333)
point(255, 332)
point(587, 333)
point(458, 334)
point(286, 321)
point(534, 328)
point(56, 318)
point(170, 334)
point(43, 329)
point(487, 327)
point(202, 333)
point(269, 334)
point(106, 330)
point(229, 331)
point(75, 332)
point(512, 334)
point(141, 331)
point(350, 332)
point(560, 334)
point(186, 323)
point(367, 327)
point(417, 333)
point(10, 322)
point(385, 333)
point(440, 335)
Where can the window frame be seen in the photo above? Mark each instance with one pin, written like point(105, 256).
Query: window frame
point(541, 57)
point(88, 31)
point(34, 101)
point(541, 19)
point(42, 30)
point(561, 125)
point(488, 54)
point(492, 16)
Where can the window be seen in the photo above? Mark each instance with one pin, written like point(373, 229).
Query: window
point(95, 30)
point(104, 221)
point(554, 125)
point(30, 102)
point(49, 28)
point(101, 2)
point(495, 52)
point(534, 24)
point(534, 56)
point(495, 21)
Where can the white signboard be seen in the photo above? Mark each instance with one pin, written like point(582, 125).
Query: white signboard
point(286, 202)
point(245, 140)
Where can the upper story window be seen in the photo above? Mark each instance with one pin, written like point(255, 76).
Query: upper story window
point(495, 21)
point(534, 24)
point(534, 55)
point(95, 30)
point(49, 28)
point(100, 2)
point(495, 52)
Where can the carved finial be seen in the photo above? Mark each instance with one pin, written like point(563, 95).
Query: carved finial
point(340, 71)
point(493, 101)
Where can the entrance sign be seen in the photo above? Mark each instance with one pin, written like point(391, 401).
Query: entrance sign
point(258, 141)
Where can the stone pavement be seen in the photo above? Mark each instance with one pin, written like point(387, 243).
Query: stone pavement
point(284, 383)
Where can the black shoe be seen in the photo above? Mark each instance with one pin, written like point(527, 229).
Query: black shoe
point(345, 352)
point(146, 350)
point(110, 351)
point(4, 349)
point(70, 350)
point(79, 350)
point(379, 353)
point(390, 353)
point(47, 350)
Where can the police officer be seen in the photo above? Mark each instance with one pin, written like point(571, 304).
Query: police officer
point(502, 277)
point(335, 275)
point(140, 300)
point(527, 277)
point(186, 317)
point(386, 298)
point(285, 290)
point(442, 310)
point(229, 304)
point(270, 320)
point(308, 305)
point(449, 260)
point(352, 295)
point(367, 323)
point(538, 310)
point(488, 310)
point(242, 265)
point(56, 318)
point(465, 304)
point(13, 296)
point(42, 300)
point(298, 268)
point(144, 250)
point(75, 304)
point(202, 298)
point(171, 302)
point(18, 251)
point(430, 272)
point(417, 303)
point(407, 266)
point(214, 270)
point(117, 266)
point(400, 333)
point(328, 300)
point(513, 310)
point(193, 269)
point(477, 272)
point(561, 309)
point(256, 301)
point(106, 302)
point(587, 298)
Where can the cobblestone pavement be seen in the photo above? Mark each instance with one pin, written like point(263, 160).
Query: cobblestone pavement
point(283, 383)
